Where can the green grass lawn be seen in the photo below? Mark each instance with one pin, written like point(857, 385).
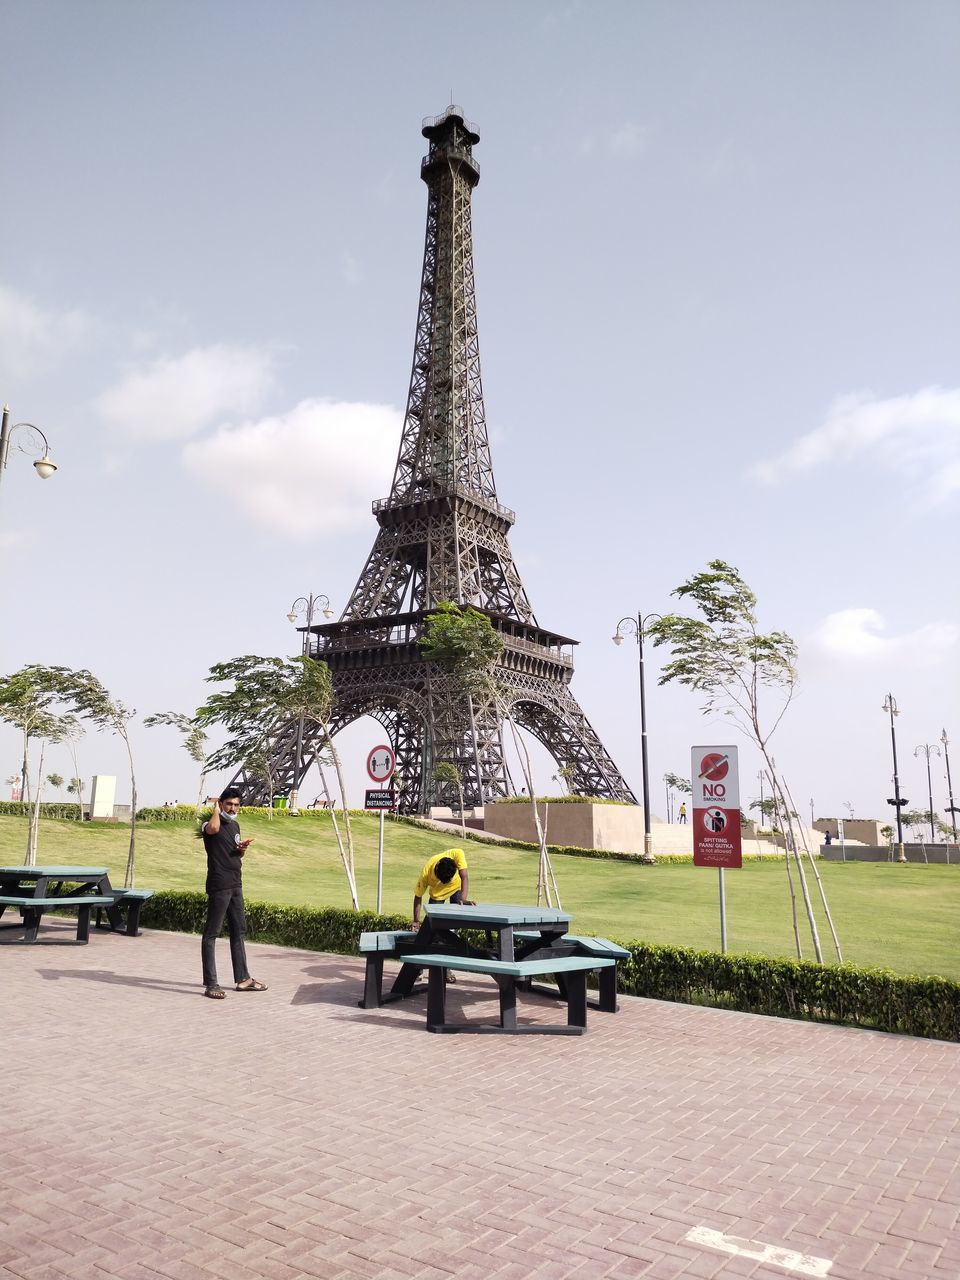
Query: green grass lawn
point(886, 914)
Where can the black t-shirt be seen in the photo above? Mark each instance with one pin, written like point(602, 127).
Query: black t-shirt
point(224, 860)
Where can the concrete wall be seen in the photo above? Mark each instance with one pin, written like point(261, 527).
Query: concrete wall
point(103, 792)
point(863, 830)
point(939, 853)
point(585, 826)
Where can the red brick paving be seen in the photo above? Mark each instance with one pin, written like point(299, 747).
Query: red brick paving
point(146, 1132)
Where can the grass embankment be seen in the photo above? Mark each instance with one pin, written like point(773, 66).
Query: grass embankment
point(898, 917)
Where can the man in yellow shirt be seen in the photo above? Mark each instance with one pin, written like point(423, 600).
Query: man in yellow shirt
point(444, 878)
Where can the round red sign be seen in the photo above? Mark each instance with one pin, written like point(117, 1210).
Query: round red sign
point(714, 766)
point(381, 763)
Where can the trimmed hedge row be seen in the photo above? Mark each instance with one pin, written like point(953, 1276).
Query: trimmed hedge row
point(48, 809)
point(564, 799)
point(873, 998)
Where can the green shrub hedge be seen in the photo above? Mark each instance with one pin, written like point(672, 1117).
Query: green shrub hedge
point(564, 799)
point(873, 998)
point(48, 809)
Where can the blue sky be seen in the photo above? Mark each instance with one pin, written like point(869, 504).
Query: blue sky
point(717, 273)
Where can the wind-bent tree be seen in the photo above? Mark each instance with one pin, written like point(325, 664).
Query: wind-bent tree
point(264, 694)
point(738, 671)
point(56, 780)
point(194, 740)
point(84, 695)
point(30, 699)
point(27, 701)
point(75, 786)
point(464, 643)
point(448, 775)
point(55, 729)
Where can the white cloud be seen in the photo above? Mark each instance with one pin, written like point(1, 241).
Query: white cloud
point(10, 539)
point(32, 337)
point(629, 140)
point(855, 635)
point(172, 398)
point(917, 436)
point(312, 470)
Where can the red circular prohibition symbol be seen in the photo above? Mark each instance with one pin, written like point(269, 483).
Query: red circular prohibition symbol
point(714, 766)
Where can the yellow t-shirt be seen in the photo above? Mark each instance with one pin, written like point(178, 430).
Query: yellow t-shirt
point(428, 886)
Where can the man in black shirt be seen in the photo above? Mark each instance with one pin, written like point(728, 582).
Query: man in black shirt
point(225, 849)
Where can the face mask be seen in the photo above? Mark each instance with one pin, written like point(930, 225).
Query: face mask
point(230, 817)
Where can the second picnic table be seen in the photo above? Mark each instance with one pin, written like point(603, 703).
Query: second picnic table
point(530, 942)
point(37, 889)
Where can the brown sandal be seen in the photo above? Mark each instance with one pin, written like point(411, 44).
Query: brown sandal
point(252, 984)
point(215, 993)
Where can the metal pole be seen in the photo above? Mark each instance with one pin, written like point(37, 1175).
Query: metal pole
point(933, 834)
point(647, 836)
point(723, 915)
point(901, 856)
point(4, 439)
point(380, 867)
point(953, 813)
point(294, 800)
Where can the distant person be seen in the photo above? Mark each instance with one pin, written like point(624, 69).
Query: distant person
point(828, 838)
point(444, 878)
point(225, 850)
point(682, 815)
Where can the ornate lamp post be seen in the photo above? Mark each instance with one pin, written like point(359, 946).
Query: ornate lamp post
point(307, 606)
point(929, 750)
point(635, 626)
point(44, 465)
point(953, 808)
point(890, 705)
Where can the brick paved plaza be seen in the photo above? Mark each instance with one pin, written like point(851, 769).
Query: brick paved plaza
point(146, 1132)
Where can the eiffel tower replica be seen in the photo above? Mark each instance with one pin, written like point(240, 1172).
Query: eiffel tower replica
point(443, 537)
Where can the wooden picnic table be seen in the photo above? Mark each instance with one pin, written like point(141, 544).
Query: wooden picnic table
point(34, 890)
point(500, 918)
point(439, 934)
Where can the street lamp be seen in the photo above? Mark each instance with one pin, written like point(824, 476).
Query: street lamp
point(307, 605)
point(953, 809)
point(44, 465)
point(303, 605)
point(929, 750)
point(890, 705)
point(635, 627)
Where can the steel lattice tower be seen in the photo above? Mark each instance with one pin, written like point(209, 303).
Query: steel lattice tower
point(443, 536)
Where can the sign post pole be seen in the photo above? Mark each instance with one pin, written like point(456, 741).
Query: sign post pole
point(381, 763)
point(380, 867)
point(723, 914)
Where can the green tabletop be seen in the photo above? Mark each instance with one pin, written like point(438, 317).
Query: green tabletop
point(495, 915)
point(64, 873)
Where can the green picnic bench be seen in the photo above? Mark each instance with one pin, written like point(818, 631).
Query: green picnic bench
point(387, 944)
point(508, 974)
point(579, 945)
point(32, 909)
point(124, 905)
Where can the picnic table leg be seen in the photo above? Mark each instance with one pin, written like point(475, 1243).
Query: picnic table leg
point(373, 983)
point(436, 1000)
point(508, 1003)
point(83, 923)
point(608, 989)
point(31, 923)
point(576, 984)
